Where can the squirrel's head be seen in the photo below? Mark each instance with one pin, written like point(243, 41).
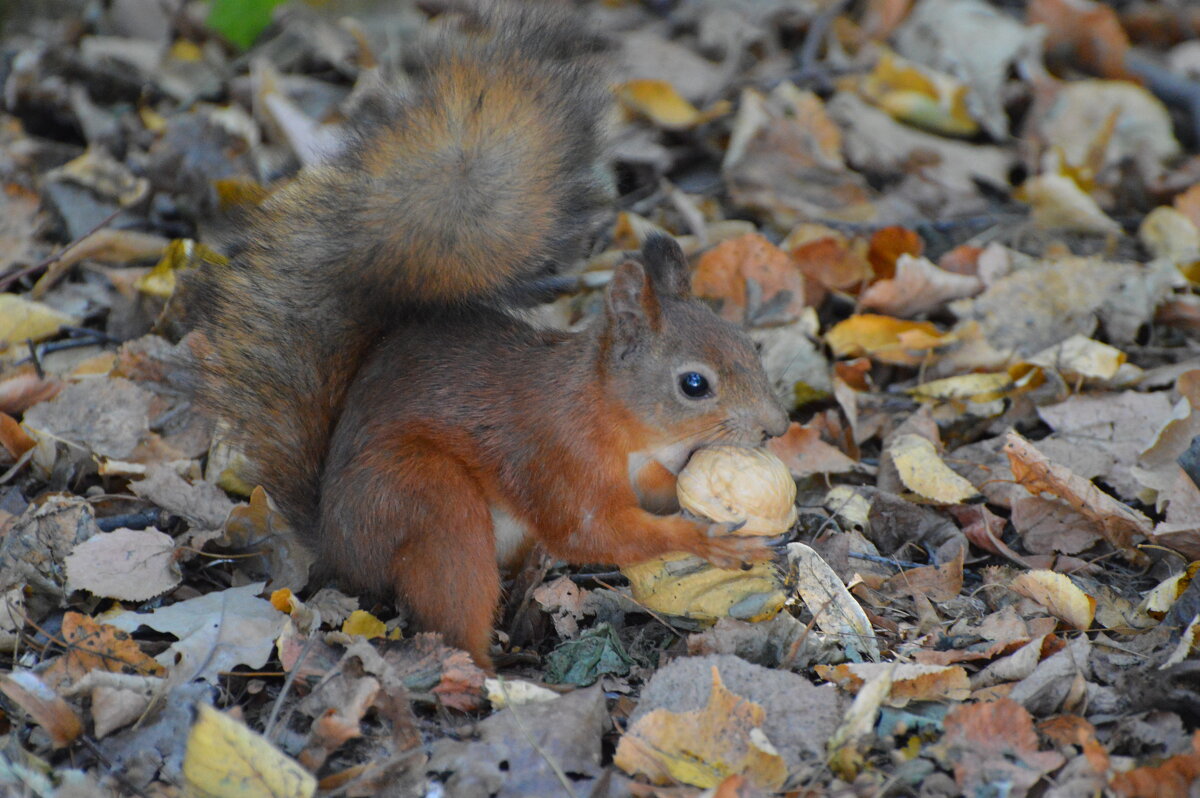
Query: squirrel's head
point(691, 377)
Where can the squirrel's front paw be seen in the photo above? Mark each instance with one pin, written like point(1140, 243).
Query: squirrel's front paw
point(726, 549)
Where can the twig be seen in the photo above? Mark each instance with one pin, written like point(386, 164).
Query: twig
point(50, 260)
point(155, 518)
point(269, 728)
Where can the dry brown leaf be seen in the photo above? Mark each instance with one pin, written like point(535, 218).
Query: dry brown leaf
point(45, 707)
point(935, 582)
point(805, 454)
point(1118, 523)
point(996, 741)
point(726, 272)
point(910, 682)
point(918, 288)
point(1087, 33)
point(13, 439)
point(832, 262)
point(23, 388)
point(1174, 778)
point(704, 747)
point(888, 244)
point(125, 564)
point(1074, 730)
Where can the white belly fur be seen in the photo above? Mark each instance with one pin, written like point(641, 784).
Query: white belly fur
point(510, 536)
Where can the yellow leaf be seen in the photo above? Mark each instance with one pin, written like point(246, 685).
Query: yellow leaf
point(181, 254)
point(658, 101)
point(225, 759)
point(969, 387)
point(920, 96)
point(1058, 594)
point(365, 624)
point(886, 339)
point(1169, 234)
point(1080, 356)
point(1058, 203)
point(704, 747)
point(25, 320)
point(688, 587)
point(1163, 595)
point(923, 472)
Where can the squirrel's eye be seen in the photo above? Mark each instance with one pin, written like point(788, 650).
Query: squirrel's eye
point(694, 385)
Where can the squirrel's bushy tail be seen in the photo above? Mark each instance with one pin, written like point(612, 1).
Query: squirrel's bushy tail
point(480, 179)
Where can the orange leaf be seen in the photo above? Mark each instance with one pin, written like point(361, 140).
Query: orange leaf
point(994, 742)
point(93, 646)
point(725, 271)
point(889, 244)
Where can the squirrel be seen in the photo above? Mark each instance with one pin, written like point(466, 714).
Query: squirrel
point(366, 348)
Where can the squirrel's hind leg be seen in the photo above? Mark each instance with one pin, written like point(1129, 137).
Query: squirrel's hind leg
point(418, 514)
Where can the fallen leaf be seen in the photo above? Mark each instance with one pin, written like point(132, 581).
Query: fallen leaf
point(45, 707)
point(225, 758)
point(705, 747)
point(885, 339)
point(846, 746)
point(216, 632)
point(686, 586)
point(364, 624)
point(1058, 204)
point(108, 417)
point(1174, 778)
point(13, 439)
point(726, 273)
point(967, 387)
point(525, 750)
point(995, 742)
point(834, 609)
point(1117, 522)
point(93, 646)
point(886, 247)
point(1059, 595)
point(805, 454)
point(1080, 357)
point(24, 320)
point(918, 287)
point(909, 682)
point(125, 564)
point(923, 472)
point(659, 102)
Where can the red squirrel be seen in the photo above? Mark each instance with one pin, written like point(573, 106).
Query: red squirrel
point(365, 348)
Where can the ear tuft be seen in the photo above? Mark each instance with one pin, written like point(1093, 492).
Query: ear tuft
point(630, 307)
point(667, 266)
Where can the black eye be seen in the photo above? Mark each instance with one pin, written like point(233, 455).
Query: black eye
point(693, 384)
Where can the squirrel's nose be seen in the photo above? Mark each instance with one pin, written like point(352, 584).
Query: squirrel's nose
point(775, 421)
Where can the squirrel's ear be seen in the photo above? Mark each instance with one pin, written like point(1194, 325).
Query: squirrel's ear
point(631, 310)
point(667, 266)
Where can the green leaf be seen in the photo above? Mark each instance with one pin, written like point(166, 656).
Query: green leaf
point(241, 21)
point(584, 660)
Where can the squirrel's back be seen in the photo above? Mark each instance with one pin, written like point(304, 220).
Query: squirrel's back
point(467, 189)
